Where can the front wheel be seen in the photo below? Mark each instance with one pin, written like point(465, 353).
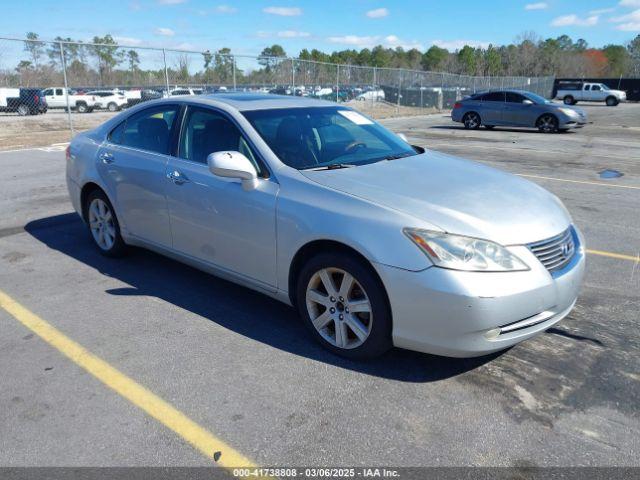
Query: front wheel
point(569, 100)
point(612, 101)
point(82, 108)
point(471, 121)
point(344, 305)
point(112, 107)
point(103, 225)
point(547, 124)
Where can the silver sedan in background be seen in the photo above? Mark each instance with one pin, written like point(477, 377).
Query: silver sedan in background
point(374, 241)
point(516, 108)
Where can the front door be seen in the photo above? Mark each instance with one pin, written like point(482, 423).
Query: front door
point(55, 97)
point(517, 113)
point(132, 164)
point(213, 219)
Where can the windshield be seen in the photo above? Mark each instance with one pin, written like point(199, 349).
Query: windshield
point(316, 137)
point(537, 98)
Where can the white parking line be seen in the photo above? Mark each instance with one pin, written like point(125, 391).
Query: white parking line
point(601, 184)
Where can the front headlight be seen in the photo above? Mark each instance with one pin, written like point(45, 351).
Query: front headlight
point(568, 111)
point(457, 252)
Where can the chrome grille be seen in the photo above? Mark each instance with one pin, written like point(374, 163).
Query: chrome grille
point(555, 252)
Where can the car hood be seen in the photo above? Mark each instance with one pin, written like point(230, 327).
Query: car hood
point(456, 195)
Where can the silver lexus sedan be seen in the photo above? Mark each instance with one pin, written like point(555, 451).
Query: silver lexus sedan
point(374, 241)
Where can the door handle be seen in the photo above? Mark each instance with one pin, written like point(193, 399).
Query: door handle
point(178, 178)
point(106, 158)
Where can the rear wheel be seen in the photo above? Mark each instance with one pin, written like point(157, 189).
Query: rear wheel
point(612, 101)
point(547, 123)
point(23, 110)
point(103, 225)
point(344, 305)
point(471, 121)
point(569, 100)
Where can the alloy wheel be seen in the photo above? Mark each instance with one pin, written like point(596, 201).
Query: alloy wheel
point(472, 120)
point(547, 124)
point(101, 224)
point(339, 308)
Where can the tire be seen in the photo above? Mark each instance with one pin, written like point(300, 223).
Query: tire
point(471, 121)
point(569, 100)
point(363, 334)
point(103, 225)
point(23, 110)
point(547, 123)
point(489, 127)
point(612, 101)
point(112, 107)
point(81, 107)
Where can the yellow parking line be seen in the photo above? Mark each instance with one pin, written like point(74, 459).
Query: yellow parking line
point(128, 388)
point(615, 255)
point(602, 184)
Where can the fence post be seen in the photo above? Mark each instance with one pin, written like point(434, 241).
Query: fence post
point(235, 86)
point(399, 90)
point(293, 76)
point(337, 82)
point(166, 72)
point(66, 86)
point(374, 97)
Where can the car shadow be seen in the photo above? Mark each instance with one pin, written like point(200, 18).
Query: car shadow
point(500, 129)
point(236, 308)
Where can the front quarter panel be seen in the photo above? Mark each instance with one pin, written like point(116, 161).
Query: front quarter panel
point(309, 212)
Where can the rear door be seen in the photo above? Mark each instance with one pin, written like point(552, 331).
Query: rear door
point(132, 164)
point(492, 106)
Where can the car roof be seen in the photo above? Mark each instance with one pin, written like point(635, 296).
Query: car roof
point(255, 101)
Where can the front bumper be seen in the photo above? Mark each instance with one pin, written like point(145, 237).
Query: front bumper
point(467, 314)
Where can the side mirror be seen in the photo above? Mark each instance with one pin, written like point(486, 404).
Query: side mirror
point(527, 102)
point(231, 164)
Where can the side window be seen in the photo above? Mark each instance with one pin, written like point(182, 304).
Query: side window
point(513, 97)
point(493, 97)
point(48, 92)
point(58, 91)
point(587, 87)
point(207, 131)
point(595, 88)
point(148, 130)
point(116, 134)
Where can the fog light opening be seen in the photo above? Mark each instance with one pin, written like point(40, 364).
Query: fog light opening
point(492, 334)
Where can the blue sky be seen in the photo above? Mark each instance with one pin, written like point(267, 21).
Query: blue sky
point(247, 26)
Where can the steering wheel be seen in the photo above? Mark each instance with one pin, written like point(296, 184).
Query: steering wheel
point(353, 145)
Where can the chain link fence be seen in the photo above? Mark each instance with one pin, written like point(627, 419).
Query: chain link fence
point(71, 78)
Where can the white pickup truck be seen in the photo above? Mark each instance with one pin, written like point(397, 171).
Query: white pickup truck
point(57, 98)
point(572, 93)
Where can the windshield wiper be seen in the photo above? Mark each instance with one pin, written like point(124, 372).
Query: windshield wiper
point(331, 166)
point(397, 156)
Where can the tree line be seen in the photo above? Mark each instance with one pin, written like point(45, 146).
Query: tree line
point(104, 62)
